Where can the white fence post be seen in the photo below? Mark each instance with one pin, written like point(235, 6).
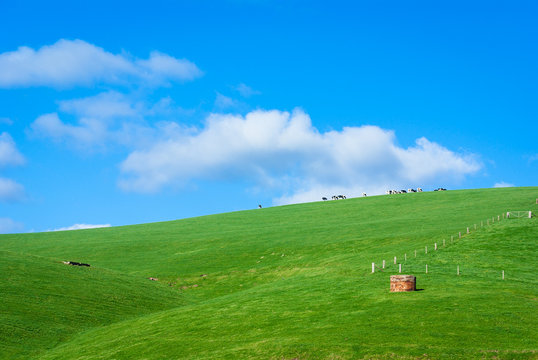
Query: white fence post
point(400, 268)
point(467, 230)
point(426, 268)
point(530, 214)
point(435, 246)
point(458, 271)
point(503, 274)
point(395, 260)
point(383, 264)
point(373, 267)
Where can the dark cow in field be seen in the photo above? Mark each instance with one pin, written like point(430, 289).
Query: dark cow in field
point(324, 198)
point(74, 263)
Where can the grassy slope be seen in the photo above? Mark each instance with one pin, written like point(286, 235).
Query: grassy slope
point(294, 281)
point(45, 302)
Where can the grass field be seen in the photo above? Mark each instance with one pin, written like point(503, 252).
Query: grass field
point(290, 282)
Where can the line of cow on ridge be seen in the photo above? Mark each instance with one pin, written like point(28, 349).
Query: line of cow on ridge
point(390, 192)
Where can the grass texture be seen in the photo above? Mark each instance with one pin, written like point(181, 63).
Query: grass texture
point(290, 282)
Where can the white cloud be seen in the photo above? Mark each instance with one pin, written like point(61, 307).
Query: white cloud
point(286, 152)
point(8, 225)
point(77, 63)
point(9, 155)
point(503, 184)
point(82, 227)
point(10, 191)
point(246, 91)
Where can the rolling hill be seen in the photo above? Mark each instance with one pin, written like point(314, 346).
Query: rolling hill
point(290, 282)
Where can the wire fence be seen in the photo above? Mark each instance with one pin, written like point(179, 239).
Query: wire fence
point(417, 262)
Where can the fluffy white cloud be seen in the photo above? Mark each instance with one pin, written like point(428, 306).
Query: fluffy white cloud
point(82, 227)
point(10, 191)
point(8, 225)
point(503, 184)
point(9, 155)
point(284, 150)
point(75, 62)
point(105, 119)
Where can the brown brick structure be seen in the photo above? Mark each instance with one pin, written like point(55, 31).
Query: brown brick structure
point(399, 283)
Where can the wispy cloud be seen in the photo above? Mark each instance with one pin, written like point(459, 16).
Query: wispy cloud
point(10, 191)
point(82, 227)
point(70, 63)
point(246, 91)
point(225, 102)
point(284, 149)
point(5, 121)
point(9, 154)
point(8, 225)
point(503, 184)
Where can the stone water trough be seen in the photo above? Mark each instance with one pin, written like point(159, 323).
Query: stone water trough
point(400, 283)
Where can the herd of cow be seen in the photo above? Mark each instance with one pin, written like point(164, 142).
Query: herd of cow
point(388, 192)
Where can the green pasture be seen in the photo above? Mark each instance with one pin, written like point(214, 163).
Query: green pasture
point(290, 282)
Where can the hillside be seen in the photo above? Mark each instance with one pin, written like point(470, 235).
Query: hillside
point(284, 282)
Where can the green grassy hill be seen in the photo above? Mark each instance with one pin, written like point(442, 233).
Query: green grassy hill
point(283, 283)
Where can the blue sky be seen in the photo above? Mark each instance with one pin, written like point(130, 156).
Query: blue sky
point(116, 113)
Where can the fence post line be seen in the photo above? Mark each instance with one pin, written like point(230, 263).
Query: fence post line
point(405, 257)
point(467, 229)
point(400, 268)
point(503, 274)
point(395, 260)
point(415, 253)
point(458, 271)
point(498, 217)
point(425, 249)
point(383, 264)
point(459, 234)
point(435, 246)
point(373, 267)
point(426, 268)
